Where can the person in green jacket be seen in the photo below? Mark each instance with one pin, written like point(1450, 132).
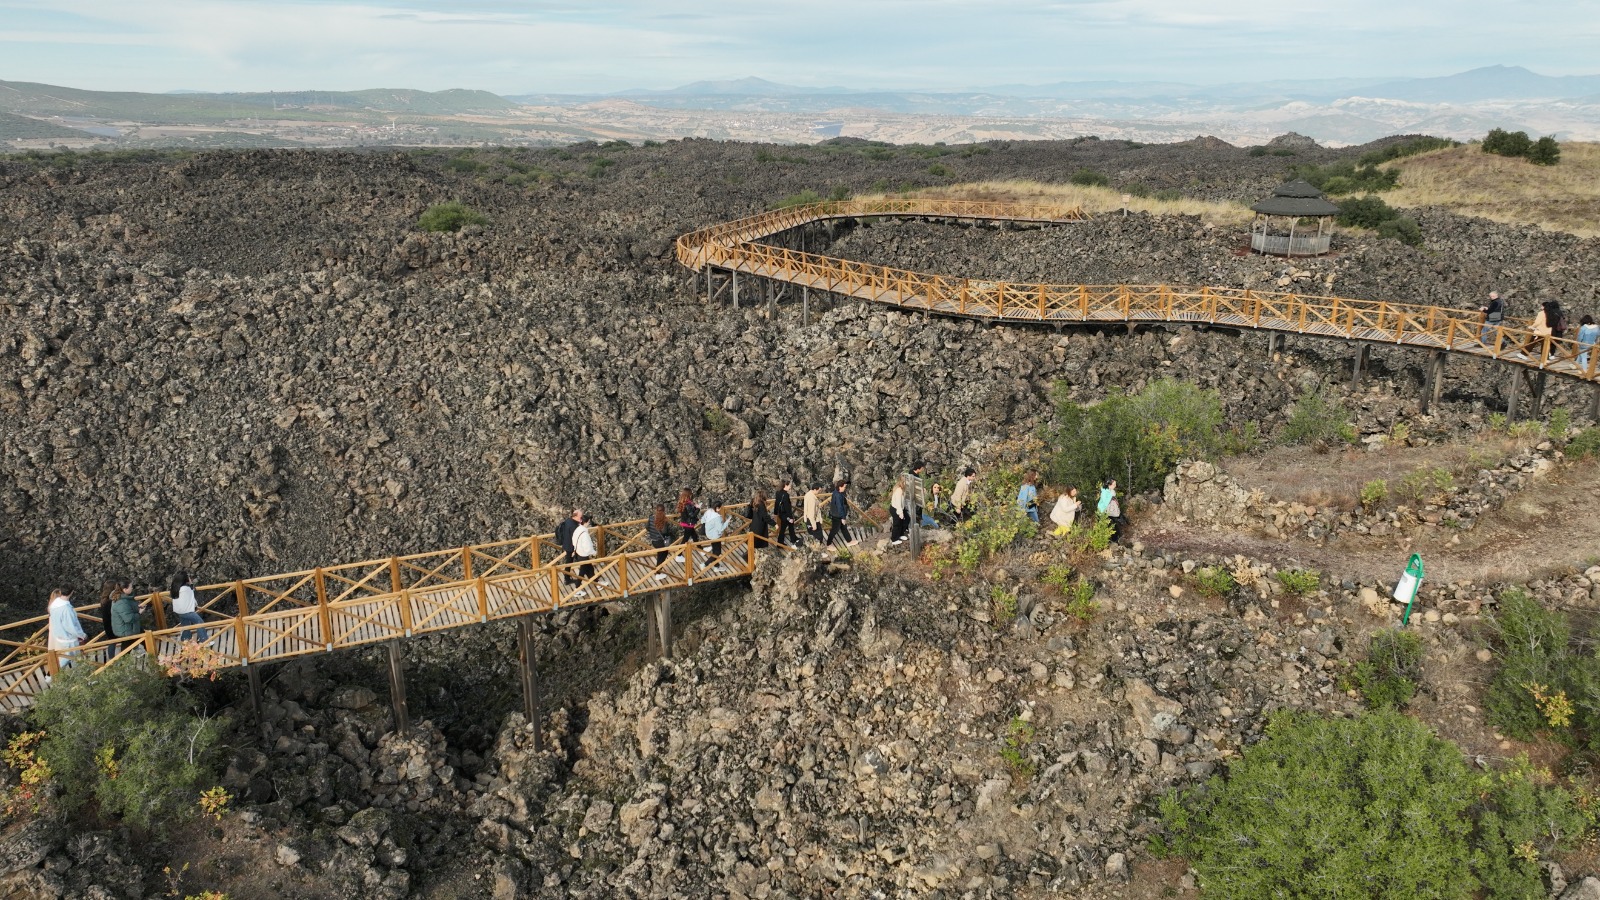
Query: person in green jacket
point(125, 620)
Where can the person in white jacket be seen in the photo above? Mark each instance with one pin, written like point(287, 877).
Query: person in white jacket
point(584, 550)
point(1065, 512)
point(66, 632)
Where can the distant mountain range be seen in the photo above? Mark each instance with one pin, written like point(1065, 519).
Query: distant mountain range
point(1331, 110)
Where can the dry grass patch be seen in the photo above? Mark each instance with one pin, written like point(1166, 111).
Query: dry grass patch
point(1563, 197)
point(1092, 199)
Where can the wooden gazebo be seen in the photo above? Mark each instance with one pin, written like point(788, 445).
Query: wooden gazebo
point(1280, 228)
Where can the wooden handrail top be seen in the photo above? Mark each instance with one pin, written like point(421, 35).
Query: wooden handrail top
point(736, 246)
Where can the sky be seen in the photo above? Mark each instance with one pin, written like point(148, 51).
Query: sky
point(578, 46)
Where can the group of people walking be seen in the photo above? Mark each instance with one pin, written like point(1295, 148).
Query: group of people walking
point(121, 615)
point(1549, 321)
point(1065, 512)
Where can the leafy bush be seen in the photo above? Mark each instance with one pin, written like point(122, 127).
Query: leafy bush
point(1347, 177)
point(449, 217)
point(1585, 445)
point(1019, 735)
point(1545, 152)
point(1317, 419)
point(938, 170)
point(1135, 439)
point(996, 522)
point(129, 740)
point(1403, 229)
point(1373, 493)
point(804, 198)
point(1089, 178)
point(1507, 143)
point(1365, 212)
point(1560, 423)
point(1214, 581)
point(1388, 676)
point(1300, 582)
point(1374, 807)
point(599, 166)
point(1371, 807)
point(1429, 484)
point(1004, 604)
point(1081, 604)
point(1412, 147)
point(1534, 646)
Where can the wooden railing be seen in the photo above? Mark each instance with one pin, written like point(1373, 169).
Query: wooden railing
point(736, 246)
point(279, 617)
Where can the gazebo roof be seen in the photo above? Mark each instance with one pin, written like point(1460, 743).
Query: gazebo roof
point(1296, 198)
point(1296, 206)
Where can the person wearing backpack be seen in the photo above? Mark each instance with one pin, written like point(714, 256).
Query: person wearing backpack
point(760, 519)
point(657, 531)
point(783, 511)
point(564, 534)
point(688, 519)
point(125, 620)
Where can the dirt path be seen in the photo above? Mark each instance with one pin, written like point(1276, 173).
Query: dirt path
point(1551, 525)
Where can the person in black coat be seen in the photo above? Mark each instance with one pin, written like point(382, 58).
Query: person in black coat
point(564, 533)
point(838, 511)
point(760, 519)
point(783, 511)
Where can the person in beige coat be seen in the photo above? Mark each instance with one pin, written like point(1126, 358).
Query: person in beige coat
point(1065, 512)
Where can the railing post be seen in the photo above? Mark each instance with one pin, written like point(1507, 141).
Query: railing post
point(159, 607)
point(240, 597)
point(241, 632)
point(483, 600)
point(394, 574)
point(466, 561)
point(323, 614)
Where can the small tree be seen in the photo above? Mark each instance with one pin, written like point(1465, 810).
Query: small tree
point(1506, 143)
point(1135, 439)
point(1544, 152)
point(129, 739)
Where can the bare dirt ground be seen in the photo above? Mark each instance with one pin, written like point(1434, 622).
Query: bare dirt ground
point(1550, 526)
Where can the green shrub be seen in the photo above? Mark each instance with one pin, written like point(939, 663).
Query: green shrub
point(1412, 147)
point(996, 522)
point(449, 217)
point(1169, 195)
point(1585, 445)
point(1365, 212)
point(1544, 152)
point(1214, 581)
point(1347, 177)
point(1004, 604)
point(1317, 419)
point(1389, 675)
point(1059, 576)
point(1081, 604)
point(1089, 178)
point(1135, 439)
point(1534, 651)
point(1373, 493)
point(804, 198)
point(839, 192)
point(1372, 807)
point(599, 166)
point(938, 170)
point(1300, 582)
point(1403, 229)
point(1092, 536)
point(1019, 736)
point(1429, 484)
point(1560, 423)
point(129, 740)
point(1507, 143)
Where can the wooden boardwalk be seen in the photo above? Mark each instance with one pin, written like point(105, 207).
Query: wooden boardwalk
point(322, 610)
point(741, 246)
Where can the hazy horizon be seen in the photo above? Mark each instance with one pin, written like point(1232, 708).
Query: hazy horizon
point(537, 46)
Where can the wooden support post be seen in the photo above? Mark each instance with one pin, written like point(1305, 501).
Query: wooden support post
point(772, 299)
point(805, 308)
point(1537, 383)
point(530, 680)
point(706, 270)
point(253, 675)
point(397, 689)
point(734, 274)
point(1433, 381)
point(651, 639)
point(1594, 403)
point(1273, 339)
point(1359, 365)
point(663, 615)
point(1512, 394)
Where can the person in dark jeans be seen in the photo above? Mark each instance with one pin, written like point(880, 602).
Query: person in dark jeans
point(564, 533)
point(838, 511)
point(658, 530)
point(783, 511)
